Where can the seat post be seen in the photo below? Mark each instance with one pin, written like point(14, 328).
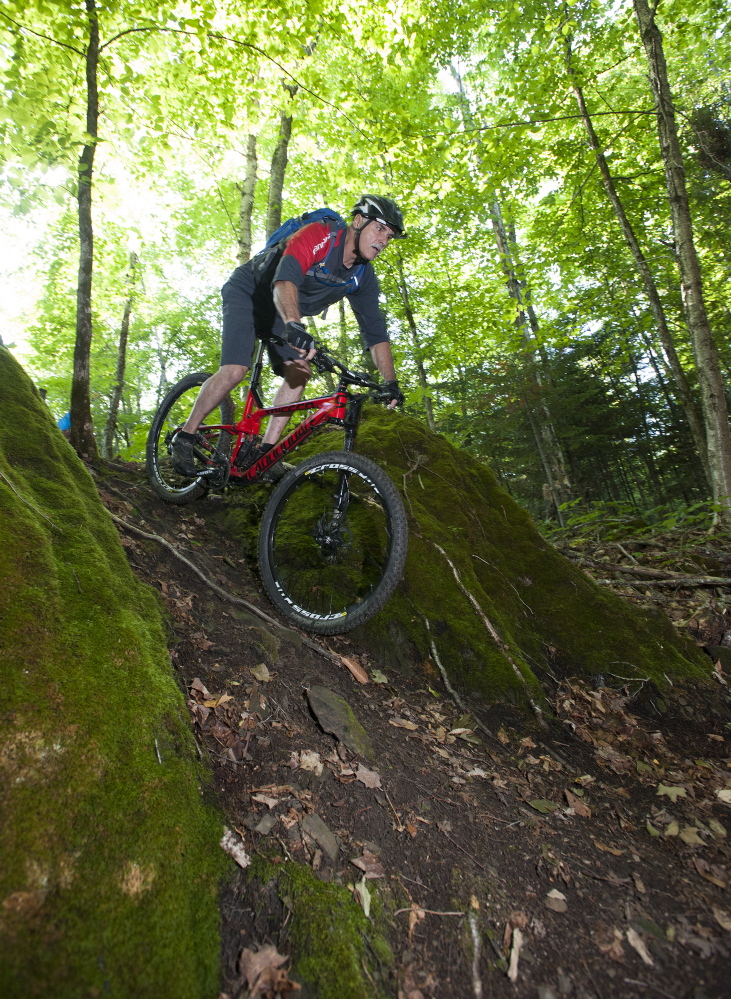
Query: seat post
point(256, 373)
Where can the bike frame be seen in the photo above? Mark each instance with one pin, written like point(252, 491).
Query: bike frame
point(340, 408)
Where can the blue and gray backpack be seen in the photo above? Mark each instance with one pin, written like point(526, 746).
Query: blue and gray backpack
point(265, 262)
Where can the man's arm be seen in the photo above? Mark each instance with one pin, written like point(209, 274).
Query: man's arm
point(286, 301)
point(383, 359)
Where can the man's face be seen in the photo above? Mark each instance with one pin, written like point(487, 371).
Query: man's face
point(374, 236)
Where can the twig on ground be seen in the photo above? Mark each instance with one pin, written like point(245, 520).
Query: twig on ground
point(470, 855)
point(399, 824)
point(431, 912)
point(677, 582)
point(224, 594)
point(648, 985)
point(30, 506)
point(476, 980)
point(418, 883)
point(493, 633)
point(627, 554)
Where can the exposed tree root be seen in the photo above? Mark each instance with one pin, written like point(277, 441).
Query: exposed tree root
point(30, 506)
point(492, 632)
point(677, 582)
point(224, 594)
point(450, 689)
point(649, 577)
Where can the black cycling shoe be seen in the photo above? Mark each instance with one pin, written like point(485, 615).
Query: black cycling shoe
point(182, 455)
point(275, 472)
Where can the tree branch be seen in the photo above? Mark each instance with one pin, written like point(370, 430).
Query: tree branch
point(38, 34)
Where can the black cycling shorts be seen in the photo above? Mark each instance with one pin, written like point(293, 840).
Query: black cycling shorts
point(240, 328)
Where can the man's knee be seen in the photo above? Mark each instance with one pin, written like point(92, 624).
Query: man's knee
point(296, 373)
point(231, 375)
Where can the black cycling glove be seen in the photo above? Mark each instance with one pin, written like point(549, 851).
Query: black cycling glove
point(296, 335)
point(391, 391)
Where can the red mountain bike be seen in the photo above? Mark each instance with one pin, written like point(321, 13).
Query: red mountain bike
point(333, 538)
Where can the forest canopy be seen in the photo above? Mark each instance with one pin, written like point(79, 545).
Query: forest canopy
point(553, 310)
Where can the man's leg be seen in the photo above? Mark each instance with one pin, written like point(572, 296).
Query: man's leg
point(296, 376)
point(212, 392)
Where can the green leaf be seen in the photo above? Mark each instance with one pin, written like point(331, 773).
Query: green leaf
point(543, 806)
point(672, 792)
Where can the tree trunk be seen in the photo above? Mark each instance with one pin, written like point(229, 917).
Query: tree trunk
point(111, 427)
point(710, 379)
point(656, 307)
point(547, 442)
point(82, 429)
point(418, 350)
point(246, 190)
point(276, 174)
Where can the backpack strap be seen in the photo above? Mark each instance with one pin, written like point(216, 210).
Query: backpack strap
point(321, 273)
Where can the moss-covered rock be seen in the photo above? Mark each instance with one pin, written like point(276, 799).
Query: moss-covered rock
point(109, 860)
point(547, 617)
point(337, 952)
point(548, 614)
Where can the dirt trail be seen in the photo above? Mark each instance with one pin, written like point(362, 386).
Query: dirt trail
point(591, 860)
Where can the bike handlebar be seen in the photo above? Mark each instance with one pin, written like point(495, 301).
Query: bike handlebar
point(326, 362)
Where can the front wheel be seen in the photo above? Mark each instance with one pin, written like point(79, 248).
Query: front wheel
point(172, 413)
point(332, 543)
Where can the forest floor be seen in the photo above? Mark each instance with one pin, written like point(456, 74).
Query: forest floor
point(590, 860)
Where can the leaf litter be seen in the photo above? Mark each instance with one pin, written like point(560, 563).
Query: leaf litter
point(438, 806)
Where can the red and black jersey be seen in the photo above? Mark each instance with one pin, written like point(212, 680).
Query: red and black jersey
point(305, 249)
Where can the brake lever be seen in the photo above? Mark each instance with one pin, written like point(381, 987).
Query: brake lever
point(323, 362)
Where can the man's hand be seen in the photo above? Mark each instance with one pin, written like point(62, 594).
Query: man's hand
point(390, 390)
point(297, 336)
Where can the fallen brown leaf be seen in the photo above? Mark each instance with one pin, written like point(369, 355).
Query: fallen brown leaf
point(402, 723)
point(263, 974)
point(608, 756)
point(705, 872)
point(370, 865)
point(608, 849)
point(368, 777)
point(609, 942)
point(356, 669)
point(579, 806)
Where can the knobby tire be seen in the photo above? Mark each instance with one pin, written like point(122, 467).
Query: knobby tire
point(326, 573)
point(171, 414)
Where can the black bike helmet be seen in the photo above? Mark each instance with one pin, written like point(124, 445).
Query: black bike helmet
point(382, 210)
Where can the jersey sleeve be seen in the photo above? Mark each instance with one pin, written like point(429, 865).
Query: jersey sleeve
point(364, 303)
point(305, 248)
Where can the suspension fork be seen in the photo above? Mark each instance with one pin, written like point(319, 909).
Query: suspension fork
point(342, 493)
point(351, 421)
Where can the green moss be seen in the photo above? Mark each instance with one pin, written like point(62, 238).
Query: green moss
point(331, 939)
point(110, 861)
point(550, 615)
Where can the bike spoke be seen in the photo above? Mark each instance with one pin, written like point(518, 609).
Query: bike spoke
point(330, 552)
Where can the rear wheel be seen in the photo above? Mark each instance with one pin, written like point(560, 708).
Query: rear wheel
point(332, 543)
point(172, 413)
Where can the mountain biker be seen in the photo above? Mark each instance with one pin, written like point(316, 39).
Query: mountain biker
point(257, 302)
